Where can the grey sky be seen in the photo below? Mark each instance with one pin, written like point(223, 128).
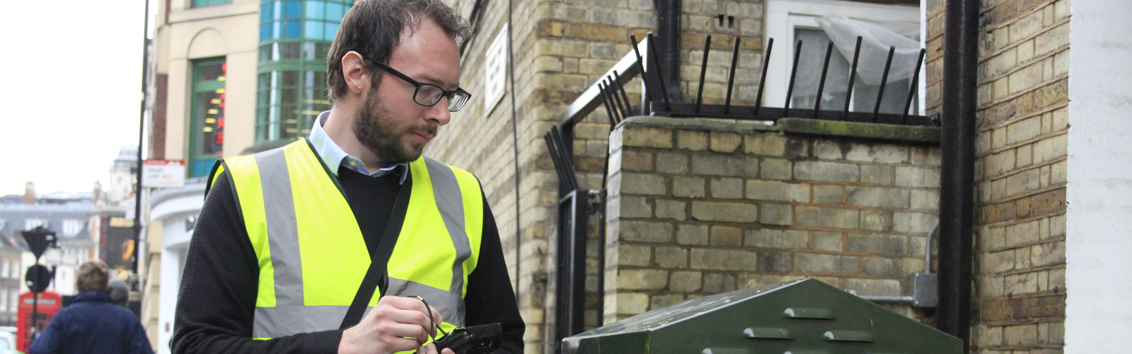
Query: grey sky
point(71, 91)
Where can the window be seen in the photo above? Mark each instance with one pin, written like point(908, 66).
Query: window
point(72, 227)
point(206, 142)
point(203, 3)
point(813, 22)
point(7, 270)
point(294, 38)
point(32, 223)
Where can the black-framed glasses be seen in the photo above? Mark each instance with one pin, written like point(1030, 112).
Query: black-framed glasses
point(428, 94)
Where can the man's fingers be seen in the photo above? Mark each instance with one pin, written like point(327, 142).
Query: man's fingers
point(436, 315)
point(414, 303)
point(405, 330)
point(401, 344)
point(404, 303)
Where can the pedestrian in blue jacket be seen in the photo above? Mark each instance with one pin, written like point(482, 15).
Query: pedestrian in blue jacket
point(93, 323)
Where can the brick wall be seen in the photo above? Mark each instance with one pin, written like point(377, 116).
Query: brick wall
point(700, 207)
point(1019, 297)
point(724, 20)
point(559, 48)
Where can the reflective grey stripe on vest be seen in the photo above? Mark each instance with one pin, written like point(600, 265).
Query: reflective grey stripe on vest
point(279, 321)
point(283, 240)
point(450, 201)
point(290, 315)
point(282, 231)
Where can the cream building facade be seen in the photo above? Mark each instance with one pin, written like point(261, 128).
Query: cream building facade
point(188, 32)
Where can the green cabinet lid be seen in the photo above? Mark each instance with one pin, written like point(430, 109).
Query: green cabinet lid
point(798, 317)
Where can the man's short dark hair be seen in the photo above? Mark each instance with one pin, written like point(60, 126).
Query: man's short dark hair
point(373, 28)
point(93, 275)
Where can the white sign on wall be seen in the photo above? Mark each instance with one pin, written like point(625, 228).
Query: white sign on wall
point(495, 71)
point(163, 173)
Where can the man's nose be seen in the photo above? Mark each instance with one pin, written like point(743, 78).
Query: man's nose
point(439, 112)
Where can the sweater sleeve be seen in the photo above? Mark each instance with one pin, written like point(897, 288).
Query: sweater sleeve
point(490, 297)
point(217, 298)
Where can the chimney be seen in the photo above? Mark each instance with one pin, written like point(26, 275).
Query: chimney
point(29, 193)
point(97, 193)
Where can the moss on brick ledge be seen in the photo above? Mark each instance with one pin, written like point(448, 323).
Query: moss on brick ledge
point(860, 130)
point(909, 133)
point(701, 124)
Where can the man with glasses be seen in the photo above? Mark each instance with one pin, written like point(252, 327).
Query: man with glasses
point(340, 243)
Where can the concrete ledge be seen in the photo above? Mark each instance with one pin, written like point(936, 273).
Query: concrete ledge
point(701, 124)
point(910, 133)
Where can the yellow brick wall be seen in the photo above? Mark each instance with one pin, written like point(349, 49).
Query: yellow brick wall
point(1019, 298)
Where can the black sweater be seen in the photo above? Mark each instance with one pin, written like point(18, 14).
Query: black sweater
point(218, 287)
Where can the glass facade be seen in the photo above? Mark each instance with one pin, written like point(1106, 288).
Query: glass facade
point(294, 38)
point(206, 143)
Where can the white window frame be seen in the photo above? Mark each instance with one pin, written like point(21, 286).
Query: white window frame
point(31, 223)
point(784, 16)
point(72, 227)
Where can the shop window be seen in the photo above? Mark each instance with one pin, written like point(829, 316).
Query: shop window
point(206, 143)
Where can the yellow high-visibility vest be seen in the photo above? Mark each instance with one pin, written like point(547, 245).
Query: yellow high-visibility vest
point(311, 253)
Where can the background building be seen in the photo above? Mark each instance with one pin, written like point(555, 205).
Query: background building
point(696, 206)
point(69, 215)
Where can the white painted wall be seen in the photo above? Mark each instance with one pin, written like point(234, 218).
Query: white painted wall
point(1099, 234)
point(172, 213)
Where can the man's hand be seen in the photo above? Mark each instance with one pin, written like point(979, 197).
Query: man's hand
point(396, 324)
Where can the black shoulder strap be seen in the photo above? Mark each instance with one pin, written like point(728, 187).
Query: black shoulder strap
point(377, 274)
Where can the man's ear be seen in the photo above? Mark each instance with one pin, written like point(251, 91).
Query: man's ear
point(355, 72)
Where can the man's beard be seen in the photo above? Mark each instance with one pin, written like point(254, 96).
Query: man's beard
point(375, 129)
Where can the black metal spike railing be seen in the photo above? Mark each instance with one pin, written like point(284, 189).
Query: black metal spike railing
point(793, 75)
point(912, 87)
point(613, 120)
point(883, 82)
point(756, 112)
point(821, 84)
point(703, 73)
point(852, 77)
point(629, 111)
point(731, 75)
point(641, 67)
point(762, 77)
point(573, 211)
point(563, 164)
point(659, 75)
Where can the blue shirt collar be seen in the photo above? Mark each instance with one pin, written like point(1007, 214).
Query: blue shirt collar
point(334, 157)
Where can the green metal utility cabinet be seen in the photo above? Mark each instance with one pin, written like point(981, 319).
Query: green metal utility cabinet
point(797, 317)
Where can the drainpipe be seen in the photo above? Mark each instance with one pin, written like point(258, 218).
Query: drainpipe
point(668, 14)
point(957, 171)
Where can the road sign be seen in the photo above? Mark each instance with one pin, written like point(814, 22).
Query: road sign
point(163, 173)
point(39, 278)
point(39, 239)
